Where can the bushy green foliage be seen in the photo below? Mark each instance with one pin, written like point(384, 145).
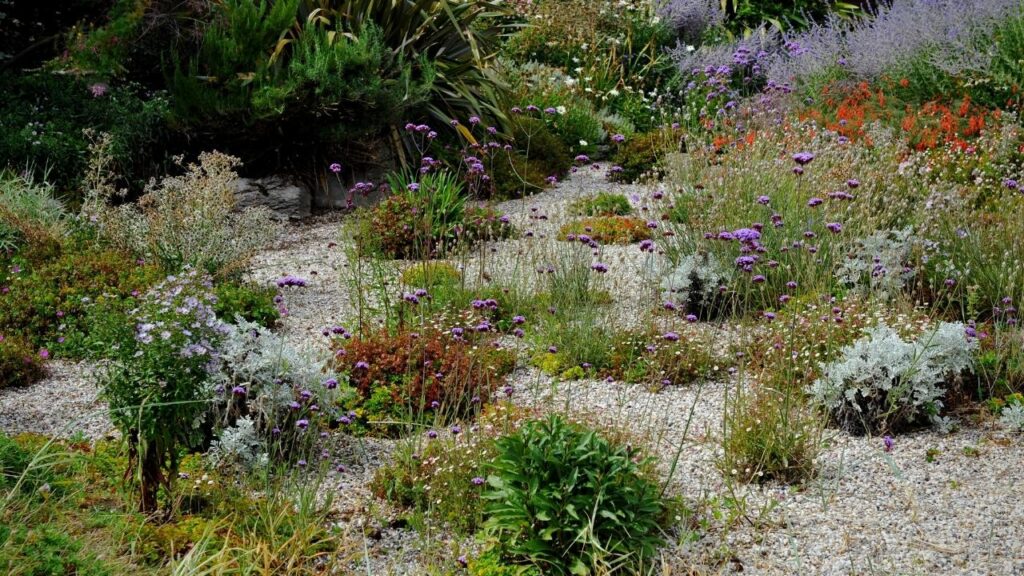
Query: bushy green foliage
point(252, 302)
point(48, 303)
point(43, 116)
point(243, 75)
point(20, 364)
point(568, 501)
point(604, 204)
point(642, 154)
point(427, 221)
point(156, 382)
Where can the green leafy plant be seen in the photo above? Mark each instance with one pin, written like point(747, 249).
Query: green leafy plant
point(20, 365)
point(642, 154)
point(604, 204)
point(156, 382)
point(252, 302)
point(568, 501)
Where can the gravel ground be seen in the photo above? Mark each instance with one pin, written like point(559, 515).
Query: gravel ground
point(63, 404)
point(868, 512)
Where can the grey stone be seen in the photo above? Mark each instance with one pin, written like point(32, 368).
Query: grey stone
point(288, 199)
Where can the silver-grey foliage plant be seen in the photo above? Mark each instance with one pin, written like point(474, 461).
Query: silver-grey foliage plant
point(882, 383)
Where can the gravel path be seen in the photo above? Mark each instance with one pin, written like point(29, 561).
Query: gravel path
point(63, 404)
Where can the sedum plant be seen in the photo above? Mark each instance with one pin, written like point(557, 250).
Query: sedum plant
point(883, 383)
point(568, 501)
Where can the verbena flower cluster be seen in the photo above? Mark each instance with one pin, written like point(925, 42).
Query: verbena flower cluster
point(882, 383)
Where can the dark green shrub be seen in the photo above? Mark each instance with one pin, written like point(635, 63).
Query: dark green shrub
point(252, 302)
point(568, 501)
point(20, 365)
point(641, 154)
point(42, 118)
point(604, 204)
point(322, 78)
point(513, 175)
point(542, 147)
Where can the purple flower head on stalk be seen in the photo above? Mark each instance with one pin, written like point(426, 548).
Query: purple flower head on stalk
point(292, 281)
point(431, 434)
point(652, 224)
point(769, 316)
point(763, 200)
point(618, 138)
point(814, 202)
point(474, 120)
point(335, 167)
point(238, 390)
point(550, 110)
point(456, 430)
point(668, 305)
point(746, 235)
point(582, 158)
point(671, 336)
point(835, 227)
point(888, 443)
point(803, 158)
point(1010, 183)
point(477, 481)
point(331, 383)
point(410, 298)
point(691, 318)
point(798, 170)
point(599, 267)
point(518, 320)
point(758, 279)
point(517, 110)
point(362, 365)
point(302, 423)
point(853, 183)
point(518, 333)
point(532, 108)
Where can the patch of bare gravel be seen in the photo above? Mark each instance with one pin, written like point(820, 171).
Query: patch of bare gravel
point(63, 404)
point(868, 512)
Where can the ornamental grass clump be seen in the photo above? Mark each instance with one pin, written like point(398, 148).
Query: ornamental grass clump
point(29, 214)
point(566, 500)
point(883, 383)
point(156, 380)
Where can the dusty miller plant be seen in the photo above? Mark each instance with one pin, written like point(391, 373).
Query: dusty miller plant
point(882, 383)
point(284, 391)
point(695, 282)
point(879, 263)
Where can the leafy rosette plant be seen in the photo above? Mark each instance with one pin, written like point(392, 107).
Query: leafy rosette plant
point(568, 501)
